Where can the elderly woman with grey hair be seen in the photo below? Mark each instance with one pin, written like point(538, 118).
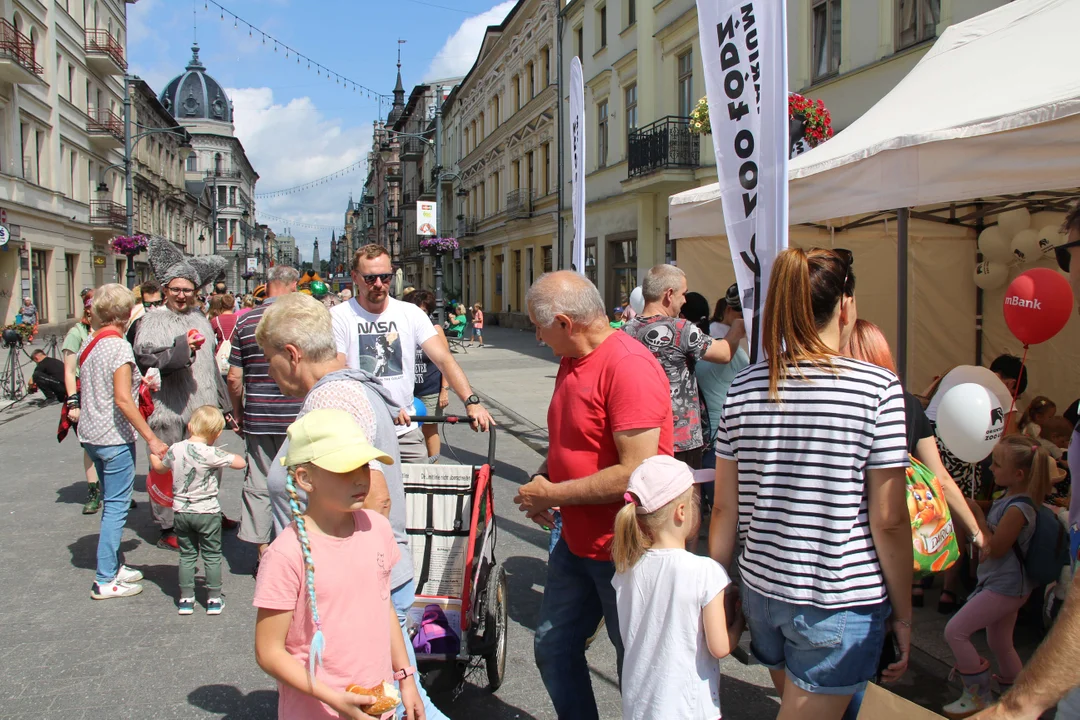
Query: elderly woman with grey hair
point(296, 337)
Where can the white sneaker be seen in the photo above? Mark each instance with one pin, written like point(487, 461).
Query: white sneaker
point(128, 575)
point(115, 589)
point(969, 703)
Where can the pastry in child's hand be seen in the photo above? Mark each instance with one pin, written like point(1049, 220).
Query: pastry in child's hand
point(387, 698)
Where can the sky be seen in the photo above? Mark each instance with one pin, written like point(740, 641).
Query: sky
point(295, 125)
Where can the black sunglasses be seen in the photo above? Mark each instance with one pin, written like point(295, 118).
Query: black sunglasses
point(1064, 255)
point(153, 303)
point(384, 277)
point(848, 258)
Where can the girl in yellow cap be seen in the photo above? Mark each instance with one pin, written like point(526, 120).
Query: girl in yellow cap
point(332, 629)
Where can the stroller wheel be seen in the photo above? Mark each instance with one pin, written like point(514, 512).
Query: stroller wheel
point(495, 625)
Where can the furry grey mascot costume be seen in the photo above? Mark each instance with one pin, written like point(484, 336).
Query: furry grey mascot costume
point(189, 379)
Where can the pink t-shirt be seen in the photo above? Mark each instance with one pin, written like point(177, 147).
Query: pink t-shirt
point(352, 588)
point(478, 319)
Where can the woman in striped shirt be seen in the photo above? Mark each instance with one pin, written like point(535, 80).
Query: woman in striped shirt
point(811, 453)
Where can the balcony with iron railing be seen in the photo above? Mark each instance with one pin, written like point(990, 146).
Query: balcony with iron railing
point(519, 204)
point(409, 193)
point(665, 144)
point(17, 62)
point(427, 191)
point(105, 128)
point(412, 149)
point(393, 173)
point(104, 53)
point(467, 226)
point(221, 173)
point(108, 213)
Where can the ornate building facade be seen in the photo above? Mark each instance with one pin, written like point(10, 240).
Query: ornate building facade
point(219, 163)
point(499, 145)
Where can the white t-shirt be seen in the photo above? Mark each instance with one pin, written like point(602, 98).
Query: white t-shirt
point(668, 671)
point(384, 344)
point(970, 374)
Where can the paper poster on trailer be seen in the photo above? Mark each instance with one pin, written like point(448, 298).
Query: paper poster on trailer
point(744, 53)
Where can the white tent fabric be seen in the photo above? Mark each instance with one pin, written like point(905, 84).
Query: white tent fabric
point(992, 109)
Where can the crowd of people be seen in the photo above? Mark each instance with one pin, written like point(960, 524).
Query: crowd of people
point(797, 466)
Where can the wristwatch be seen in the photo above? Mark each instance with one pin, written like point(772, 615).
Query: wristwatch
point(404, 673)
point(473, 399)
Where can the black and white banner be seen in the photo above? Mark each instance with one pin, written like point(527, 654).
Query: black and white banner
point(577, 163)
point(744, 52)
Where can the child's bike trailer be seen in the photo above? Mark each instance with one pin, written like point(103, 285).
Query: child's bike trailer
point(459, 617)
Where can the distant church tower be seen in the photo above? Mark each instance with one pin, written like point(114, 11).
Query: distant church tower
point(315, 258)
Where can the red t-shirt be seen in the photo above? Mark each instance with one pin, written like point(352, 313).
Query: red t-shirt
point(617, 387)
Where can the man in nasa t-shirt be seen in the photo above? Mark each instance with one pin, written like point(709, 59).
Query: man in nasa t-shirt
point(380, 334)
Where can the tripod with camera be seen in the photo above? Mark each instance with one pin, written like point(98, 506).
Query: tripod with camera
point(12, 380)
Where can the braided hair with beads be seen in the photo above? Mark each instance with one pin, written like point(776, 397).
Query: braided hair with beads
point(318, 641)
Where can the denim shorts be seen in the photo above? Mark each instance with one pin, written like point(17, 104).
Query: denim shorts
point(831, 652)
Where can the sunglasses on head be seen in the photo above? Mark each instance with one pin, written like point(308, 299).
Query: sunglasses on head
point(1063, 253)
point(384, 277)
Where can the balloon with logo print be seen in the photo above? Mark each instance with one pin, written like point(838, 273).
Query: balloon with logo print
point(994, 245)
point(1013, 221)
point(1038, 304)
point(990, 275)
point(637, 300)
point(970, 421)
point(1025, 247)
point(1049, 238)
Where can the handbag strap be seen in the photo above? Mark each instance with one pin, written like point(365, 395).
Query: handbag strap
point(101, 334)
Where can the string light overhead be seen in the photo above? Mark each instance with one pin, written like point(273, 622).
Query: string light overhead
point(320, 69)
point(358, 165)
point(296, 223)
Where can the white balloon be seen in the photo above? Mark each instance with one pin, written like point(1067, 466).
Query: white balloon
point(994, 245)
point(1025, 247)
point(1049, 238)
point(970, 421)
point(1013, 221)
point(991, 275)
point(637, 300)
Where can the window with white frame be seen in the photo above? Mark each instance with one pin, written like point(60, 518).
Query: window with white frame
point(601, 28)
point(686, 83)
point(825, 42)
point(916, 21)
point(631, 12)
point(601, 134)
point(630, 109)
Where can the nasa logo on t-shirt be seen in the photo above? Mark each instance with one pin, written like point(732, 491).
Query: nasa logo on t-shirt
point(380, 348)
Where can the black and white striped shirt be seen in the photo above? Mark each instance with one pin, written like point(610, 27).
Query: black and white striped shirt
point(802, 461)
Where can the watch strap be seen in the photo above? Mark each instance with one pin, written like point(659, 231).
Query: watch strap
point(404, 673)
point(473, 399)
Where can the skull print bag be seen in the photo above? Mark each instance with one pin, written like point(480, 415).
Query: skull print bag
point(932, 534)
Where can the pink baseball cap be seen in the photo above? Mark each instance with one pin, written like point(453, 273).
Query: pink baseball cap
point(659, 480)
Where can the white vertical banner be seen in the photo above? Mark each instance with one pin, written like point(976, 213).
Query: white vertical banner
point(744, 53)
point(577, 162)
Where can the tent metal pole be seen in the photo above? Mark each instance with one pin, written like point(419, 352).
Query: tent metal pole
point(980, 225)
point(902, 292)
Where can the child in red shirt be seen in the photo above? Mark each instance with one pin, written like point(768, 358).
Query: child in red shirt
point(317, 639)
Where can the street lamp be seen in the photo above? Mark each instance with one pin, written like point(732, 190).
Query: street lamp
point(183, 151)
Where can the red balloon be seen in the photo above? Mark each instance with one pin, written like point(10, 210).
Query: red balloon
point(1038, 304)
point(160, 487)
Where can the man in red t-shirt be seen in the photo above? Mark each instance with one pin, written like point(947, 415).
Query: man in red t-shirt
point(610, 411)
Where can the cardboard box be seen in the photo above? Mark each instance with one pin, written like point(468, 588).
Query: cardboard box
point(880, 704)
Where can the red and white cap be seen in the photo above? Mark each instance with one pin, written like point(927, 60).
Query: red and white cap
point(659, 480)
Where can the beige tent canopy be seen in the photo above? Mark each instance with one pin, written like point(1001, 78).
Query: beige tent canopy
point(989, 120)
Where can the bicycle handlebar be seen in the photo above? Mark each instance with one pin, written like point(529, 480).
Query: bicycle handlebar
point(461, 419)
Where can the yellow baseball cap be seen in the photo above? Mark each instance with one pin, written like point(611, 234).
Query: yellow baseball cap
point(332, 440)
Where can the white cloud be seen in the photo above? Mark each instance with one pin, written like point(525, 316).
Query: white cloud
point(290, 144)
point(457, 55)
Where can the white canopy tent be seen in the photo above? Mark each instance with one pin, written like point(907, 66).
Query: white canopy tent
point(988, 120)
point(992, 109)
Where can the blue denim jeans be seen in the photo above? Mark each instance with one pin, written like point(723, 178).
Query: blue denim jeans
point(403, 598)
point(833, 652)
point(556, 531)
point(115, 465)
point(577, 594)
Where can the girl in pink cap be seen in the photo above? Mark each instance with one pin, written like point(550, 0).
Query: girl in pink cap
point(670, 601)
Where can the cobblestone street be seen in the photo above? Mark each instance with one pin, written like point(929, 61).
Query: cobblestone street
point(66, 656)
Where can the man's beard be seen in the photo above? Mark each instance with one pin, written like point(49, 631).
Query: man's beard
point(376, 294)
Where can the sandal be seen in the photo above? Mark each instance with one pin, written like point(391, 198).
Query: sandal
point(948, 607)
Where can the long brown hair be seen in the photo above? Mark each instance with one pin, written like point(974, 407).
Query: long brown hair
point(804, 290)
point(1037, 405)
